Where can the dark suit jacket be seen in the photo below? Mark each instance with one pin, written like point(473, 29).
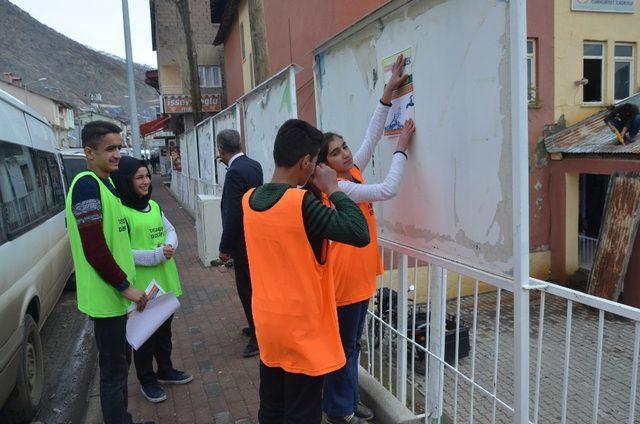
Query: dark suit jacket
point(243, 174)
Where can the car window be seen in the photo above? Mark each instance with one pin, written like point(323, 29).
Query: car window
point(20, 187)
point(73, 165)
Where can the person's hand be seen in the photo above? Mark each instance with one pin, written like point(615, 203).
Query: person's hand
point(406, 136)
point(224, 257)
point(326, 179)
point(167, 250)
point(396, 80)
point(137, 296)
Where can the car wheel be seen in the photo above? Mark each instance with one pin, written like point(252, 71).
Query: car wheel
point(23, 403)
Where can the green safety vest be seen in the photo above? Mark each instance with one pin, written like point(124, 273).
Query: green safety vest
point(146, 232)
point(96, 297)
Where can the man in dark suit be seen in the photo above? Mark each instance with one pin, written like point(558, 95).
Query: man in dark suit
point(242, 174)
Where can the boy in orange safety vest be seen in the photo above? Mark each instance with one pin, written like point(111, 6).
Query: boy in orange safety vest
point(287, 231)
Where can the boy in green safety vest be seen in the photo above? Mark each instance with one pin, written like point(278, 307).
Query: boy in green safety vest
point(103, 263)
point(153, 240)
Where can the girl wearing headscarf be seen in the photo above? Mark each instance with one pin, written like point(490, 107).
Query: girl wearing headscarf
point(154, 241)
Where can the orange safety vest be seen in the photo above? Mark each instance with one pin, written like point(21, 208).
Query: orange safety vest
point(293, 297)
point(355, 269)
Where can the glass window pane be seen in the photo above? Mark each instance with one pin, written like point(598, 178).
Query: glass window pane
point(591, 49)
point(56, 182)
point(624, 51)
point(622, 80)
point(22, 201)
point(529, 80)
point(593, 72)
point(42, 135)
point(72, 167)
point(530, 47)
point(45, 181)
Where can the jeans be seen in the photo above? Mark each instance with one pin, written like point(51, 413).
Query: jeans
point(158, 346)
point(114, 357)
point(341, 393)
point(288, 398)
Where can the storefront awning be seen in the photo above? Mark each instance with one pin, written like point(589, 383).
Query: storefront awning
point(153, 126)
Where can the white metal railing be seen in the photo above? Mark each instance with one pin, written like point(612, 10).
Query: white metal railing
point(186, 189)
point(587, 247)
point(440, 337)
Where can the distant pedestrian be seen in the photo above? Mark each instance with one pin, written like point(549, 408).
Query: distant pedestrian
point(153, 244)
point(154, 163)
point(287, 233)
point(625, 119)
point(103, 263)
point(243, 174)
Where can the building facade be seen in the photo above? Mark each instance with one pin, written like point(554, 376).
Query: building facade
point(596, 56)
point(172, 22)
point(59, 114)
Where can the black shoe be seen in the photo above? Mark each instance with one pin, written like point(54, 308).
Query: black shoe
point(251, 349)
point(175, 377)
point(363, 412)
point(246, 332)
point(349, 419)
point(153, 392)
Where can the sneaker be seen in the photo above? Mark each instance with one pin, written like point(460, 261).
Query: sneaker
point(175, 377)
point(251, 349)
point(349, 419)
point(153, 393)
point(246, 332)
point(363, 412)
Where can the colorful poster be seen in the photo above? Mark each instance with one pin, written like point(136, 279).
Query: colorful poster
point(402, 98)
point(174, 154)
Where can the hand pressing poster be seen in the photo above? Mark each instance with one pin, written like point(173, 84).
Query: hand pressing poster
point(402, 98)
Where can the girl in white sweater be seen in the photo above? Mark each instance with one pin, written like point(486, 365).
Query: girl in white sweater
point(354, 269)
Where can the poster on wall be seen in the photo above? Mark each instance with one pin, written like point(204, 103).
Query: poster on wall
point(174, 154)
point(402, 99)
point(265, 109)
point(192, 158)
point(205, 147)
point(228, 119)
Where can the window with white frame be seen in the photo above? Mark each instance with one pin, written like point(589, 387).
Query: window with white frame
point(532, 86)
point(209, 76)
point(623, 71)
point(593, 72)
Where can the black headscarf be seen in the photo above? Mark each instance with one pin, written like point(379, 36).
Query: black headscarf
point(123, 180)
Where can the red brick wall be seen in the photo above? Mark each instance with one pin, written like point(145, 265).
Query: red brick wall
point(233, 65)
point(540, 27)
point(311, 23)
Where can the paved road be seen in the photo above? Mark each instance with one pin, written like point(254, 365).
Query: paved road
point(69, 360)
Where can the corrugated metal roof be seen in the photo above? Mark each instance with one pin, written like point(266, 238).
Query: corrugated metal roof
point(591, 136)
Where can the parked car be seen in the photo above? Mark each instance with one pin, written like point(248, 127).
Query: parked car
point(35, 258)
point(74, 161)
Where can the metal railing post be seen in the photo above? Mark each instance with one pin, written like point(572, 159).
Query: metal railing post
point(403, 307)
point(437, 331)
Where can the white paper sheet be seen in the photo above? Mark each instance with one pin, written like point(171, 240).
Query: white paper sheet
point(141, 325)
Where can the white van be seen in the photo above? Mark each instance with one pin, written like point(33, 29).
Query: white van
point(35, 257)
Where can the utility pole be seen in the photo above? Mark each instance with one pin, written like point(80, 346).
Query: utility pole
point(133, 107)
point(192, 59)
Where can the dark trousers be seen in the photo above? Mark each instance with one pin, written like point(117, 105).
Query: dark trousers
point(114, 357)
point(288, 398)
point(243, 284)
point(341, 393)
point(158, 346)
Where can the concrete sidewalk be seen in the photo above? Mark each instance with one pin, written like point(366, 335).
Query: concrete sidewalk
point(207, 341)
